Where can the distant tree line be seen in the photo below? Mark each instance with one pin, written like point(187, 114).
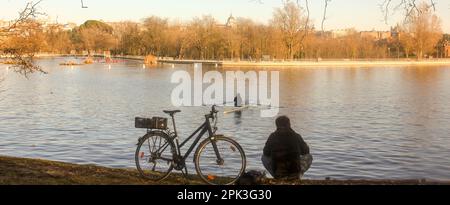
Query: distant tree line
point(287, 36)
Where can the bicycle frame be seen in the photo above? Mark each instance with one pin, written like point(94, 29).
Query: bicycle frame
point(202, 130)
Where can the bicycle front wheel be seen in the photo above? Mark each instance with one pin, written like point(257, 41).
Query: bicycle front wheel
point(220, 161)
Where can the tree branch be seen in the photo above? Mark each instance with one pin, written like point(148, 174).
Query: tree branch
point(305, 33)
point(325, 14)
point(29, 12)
point(409, 6)
point(23, 60)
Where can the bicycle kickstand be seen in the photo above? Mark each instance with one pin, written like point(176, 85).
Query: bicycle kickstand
point(186, 175)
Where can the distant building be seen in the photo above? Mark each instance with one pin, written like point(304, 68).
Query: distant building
point(376, 35)
point(341, 32)
point(395, 32)
point(4, 24)
point(327, 34)
point(69, 26)
point(46, 24)
point(447, 49)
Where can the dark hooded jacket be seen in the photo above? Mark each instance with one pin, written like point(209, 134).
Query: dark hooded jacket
point(284, 148)
point(285, 140)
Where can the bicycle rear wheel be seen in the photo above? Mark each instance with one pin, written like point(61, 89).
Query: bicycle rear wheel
point(154, 156)
point(225, 170)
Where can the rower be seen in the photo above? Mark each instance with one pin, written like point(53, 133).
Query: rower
point(238, 101)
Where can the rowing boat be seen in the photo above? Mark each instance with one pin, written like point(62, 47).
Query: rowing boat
point(238, 109)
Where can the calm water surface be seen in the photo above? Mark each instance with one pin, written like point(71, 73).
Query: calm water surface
point(361, 123)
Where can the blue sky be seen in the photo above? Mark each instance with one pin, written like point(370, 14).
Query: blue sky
point(359, 14)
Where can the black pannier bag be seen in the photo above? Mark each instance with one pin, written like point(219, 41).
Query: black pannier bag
point(157, 123)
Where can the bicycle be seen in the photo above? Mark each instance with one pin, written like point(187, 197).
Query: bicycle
point(218, 160)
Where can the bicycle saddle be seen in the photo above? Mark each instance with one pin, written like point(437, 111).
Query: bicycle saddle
point(171, 112)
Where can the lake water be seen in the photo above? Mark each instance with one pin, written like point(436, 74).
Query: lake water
point(361, 123)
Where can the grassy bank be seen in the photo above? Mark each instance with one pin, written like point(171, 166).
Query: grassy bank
point(20, 171)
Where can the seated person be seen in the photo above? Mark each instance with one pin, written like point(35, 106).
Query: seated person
point(286, 155)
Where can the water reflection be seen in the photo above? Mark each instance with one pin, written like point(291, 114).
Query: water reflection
point(237, 118)
point(359, 122)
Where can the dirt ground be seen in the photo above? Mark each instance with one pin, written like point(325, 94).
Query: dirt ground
point(20, 171)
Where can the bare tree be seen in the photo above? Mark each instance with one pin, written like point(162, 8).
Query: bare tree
point(291, 21)
point(129, 37)
point(57, 40)
point(22, 27)
point(389, 7)
point(407, 42)
point(425, 29)
point(202, 33)
point(155, 34)
point(324, 18)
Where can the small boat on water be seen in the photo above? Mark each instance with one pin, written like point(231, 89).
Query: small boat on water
point(250, 107)
point(8, 62)
point(71, 63)
point(236, 109)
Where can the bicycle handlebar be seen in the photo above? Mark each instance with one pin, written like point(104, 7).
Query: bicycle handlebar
point(213, 109)
point(213, 113)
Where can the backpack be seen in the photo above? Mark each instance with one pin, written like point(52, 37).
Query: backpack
point(251, 178)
